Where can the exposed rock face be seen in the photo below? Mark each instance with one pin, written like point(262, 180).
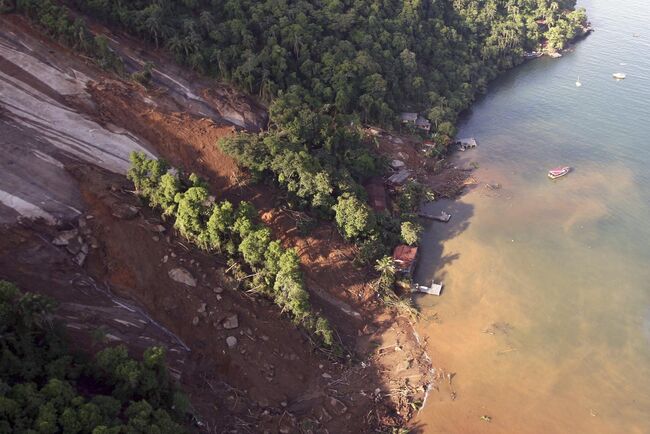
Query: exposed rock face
point(181, 275)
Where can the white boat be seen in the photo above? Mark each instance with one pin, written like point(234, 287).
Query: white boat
point(619, 75)
point(558, 172)
point(578, 83)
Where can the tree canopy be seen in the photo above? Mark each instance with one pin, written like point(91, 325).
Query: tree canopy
point(47, 388)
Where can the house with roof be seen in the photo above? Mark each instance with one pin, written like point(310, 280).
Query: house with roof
point(405, 258)
point(409, 118)
point(416, 120)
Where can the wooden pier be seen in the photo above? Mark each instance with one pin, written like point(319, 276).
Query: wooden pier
point(443, 217)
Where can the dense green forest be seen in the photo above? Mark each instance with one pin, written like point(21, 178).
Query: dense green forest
point(327, 67)
point(371, 57)
point(47, 388)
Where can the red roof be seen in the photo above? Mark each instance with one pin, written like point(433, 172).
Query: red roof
point(405, 256)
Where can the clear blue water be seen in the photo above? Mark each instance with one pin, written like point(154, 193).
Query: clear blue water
point(562, 267)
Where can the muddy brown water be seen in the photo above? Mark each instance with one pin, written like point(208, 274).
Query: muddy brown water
point(545, 314)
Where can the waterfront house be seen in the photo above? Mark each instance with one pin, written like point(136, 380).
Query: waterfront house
point(405, 258)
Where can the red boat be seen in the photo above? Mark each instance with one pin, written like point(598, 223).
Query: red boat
point(558, 172)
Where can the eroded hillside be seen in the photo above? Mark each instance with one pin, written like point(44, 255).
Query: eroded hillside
point(72, 229)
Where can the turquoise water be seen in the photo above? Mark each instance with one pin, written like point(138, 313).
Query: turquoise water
point(545, 316)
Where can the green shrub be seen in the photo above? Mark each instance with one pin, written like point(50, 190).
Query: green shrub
point(411, 233)
point(353, 217)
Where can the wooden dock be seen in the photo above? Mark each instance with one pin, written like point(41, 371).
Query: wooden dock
point(434, 289)
point(443, 217)
point(465, 144)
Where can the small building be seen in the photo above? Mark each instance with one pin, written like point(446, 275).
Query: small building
point(422, 123)
point(377, 195)
point(399, 178)
point(405, 258)
point(409, 118)
point(415, 120)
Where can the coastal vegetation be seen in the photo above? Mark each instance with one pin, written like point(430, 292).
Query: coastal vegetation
point(326, 69)
point(45, 387)
point(232, 231)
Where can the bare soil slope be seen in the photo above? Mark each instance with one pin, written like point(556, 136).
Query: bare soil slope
point(71, 142)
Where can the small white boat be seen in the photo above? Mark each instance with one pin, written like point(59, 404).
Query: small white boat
point(619, 75)
point(555, 55)
point(578, 83)
point(558, 172)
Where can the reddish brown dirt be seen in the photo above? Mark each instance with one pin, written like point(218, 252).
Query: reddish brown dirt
point(338, 289)
point(273, 367)
point(189, 142)
point(273, 363)
point(169, 132)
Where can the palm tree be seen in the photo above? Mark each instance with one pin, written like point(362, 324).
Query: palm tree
point(386, 266)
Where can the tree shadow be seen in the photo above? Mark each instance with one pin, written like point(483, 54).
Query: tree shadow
point(432, 255)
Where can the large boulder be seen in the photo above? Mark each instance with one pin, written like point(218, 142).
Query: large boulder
point(63, 238)
point(231, 322)
point(124, 211)
point(181, 275)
